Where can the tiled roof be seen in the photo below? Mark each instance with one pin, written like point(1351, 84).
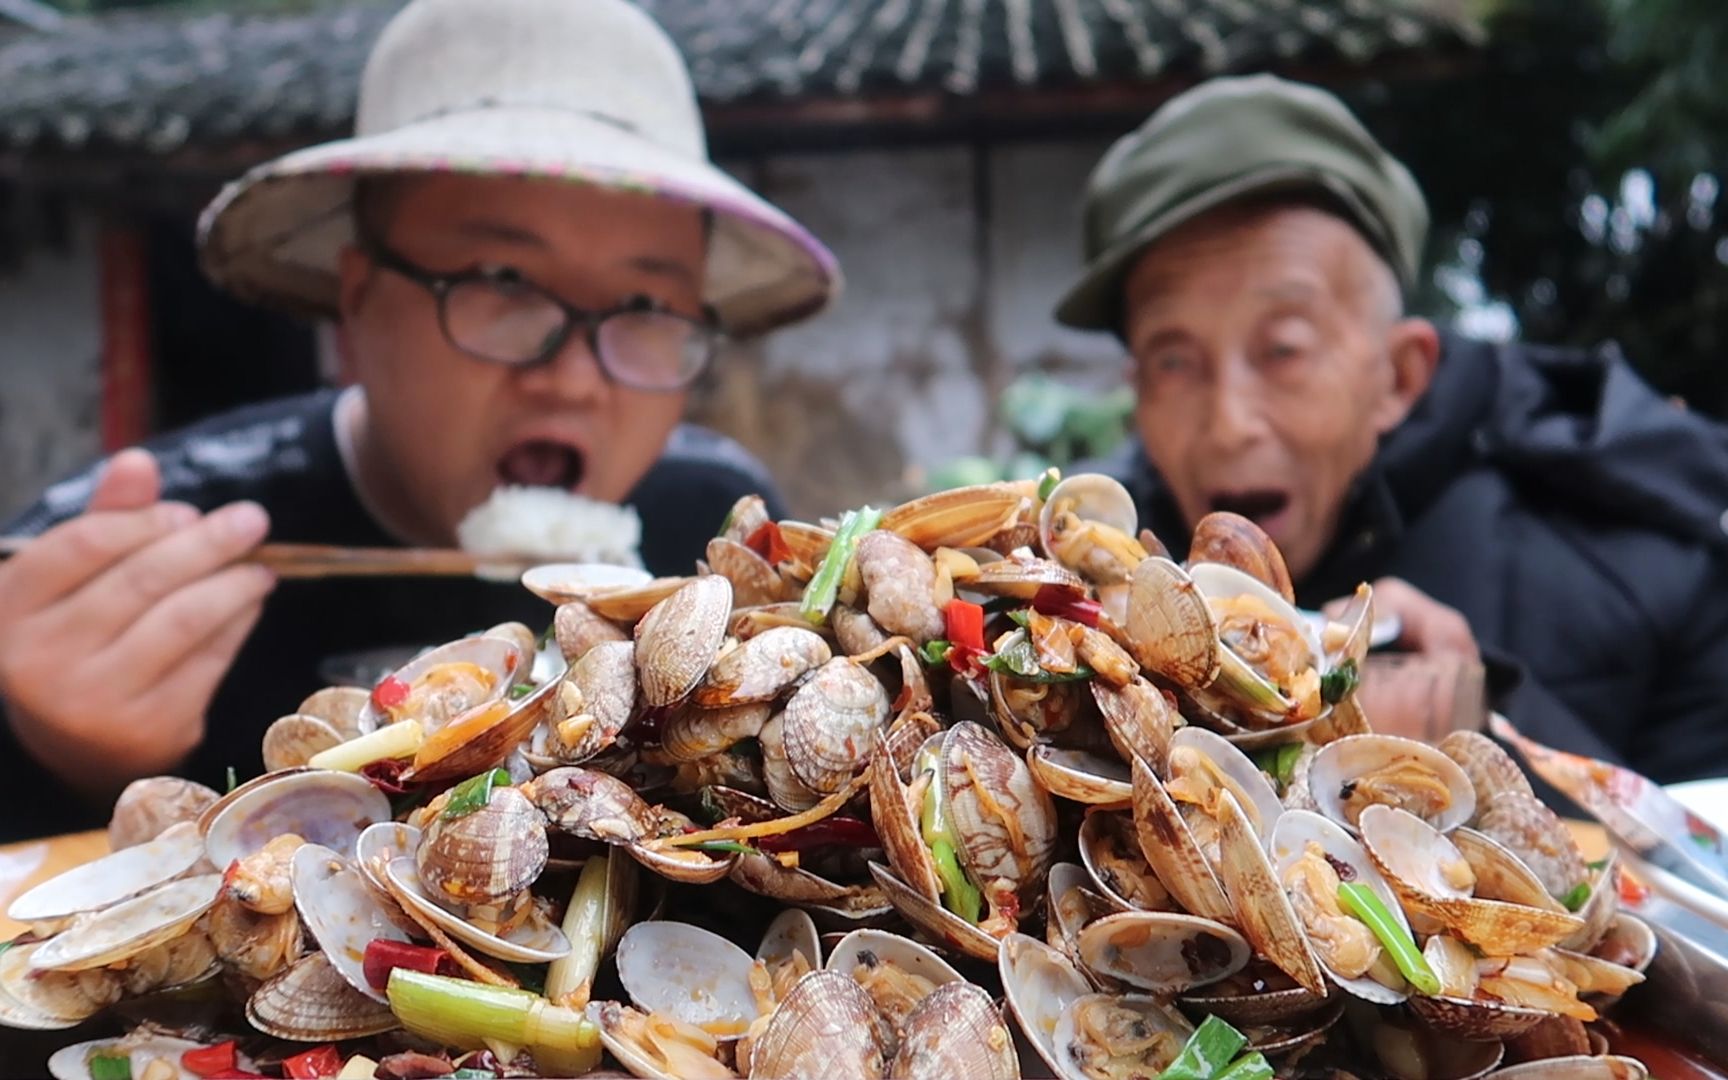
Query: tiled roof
point(156, 80)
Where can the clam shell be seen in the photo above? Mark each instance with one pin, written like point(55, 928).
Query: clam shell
point(764, 876)
point(294, 739)
point(1490, 768)
point(609, 1017)
point(605, 679)
point(1171, 851)
point(535, 941)
point(1170, 628)
point(827, 1026)
point(1409, 853)
point(590, 804)
point(784, 787)
point(578, 628)
point(1555, 1037)
point(1080, 776)
point(144, 1049)
point(1154, 1016)
point(808, 543)
point(1345, 760)
point(1279, 1039)
point(693, 733)
point(481, 738)
point(322, 807)
point(960, 517)
point(312, 1002)
point(1004, 822)
point(829, 723)
point(956, 1031)
point(1026, 713)
point(932, 918)
point(791, 932)
point(1533, 832)
point(1039, 983)
point(686, 865)
point(1139, 721)
point(754, 579)
point(678, 638)
point(1253, 1008)
point(149, 807)
point(129, 927)
point(1600, 910)
point(688, 973)
point(1020, 577)
point(563, 583)
point(1475, 1021)
point(1262, 909)
point(1162, 951)
point(498, 658)
point(1290, 838)
point(1228, 539)
point(112, 878)
point(1629, 942)
point(1090, 497)
point(1263, 804)
point(486, 856)
point(381, 843)
point(1107, 839)
point(53, 1000)
point(1072, 901)
point(862, 952)
point(896, 823)
point(1582, 1067)
point(1501, 875)
point(338, 706)
point(760, 669)
point(342, 912)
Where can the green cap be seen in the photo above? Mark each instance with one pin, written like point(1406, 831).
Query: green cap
point(1223, 140)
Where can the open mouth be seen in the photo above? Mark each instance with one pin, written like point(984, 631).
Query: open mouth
point(1259, 506)
point(543, 463)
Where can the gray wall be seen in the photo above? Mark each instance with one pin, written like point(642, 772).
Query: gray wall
point(954, 257)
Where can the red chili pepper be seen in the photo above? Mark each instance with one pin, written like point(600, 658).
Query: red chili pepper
point(320, 1061)
point(768, 542)
point(967, 661)
point(1060, 602)
point(383, 956)
point(965, 625)
point(389, 693)
point(830, 832)
point(210, 1060)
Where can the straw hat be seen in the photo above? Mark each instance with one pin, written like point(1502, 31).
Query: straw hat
point(587, 91)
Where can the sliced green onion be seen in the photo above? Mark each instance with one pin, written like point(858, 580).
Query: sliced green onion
point(1020, 616)
point(473, 1074)
point(521, 690)
point(1047, 483)
point(1361, 901)
point(825, 584)
point(1207, 1053)
point(725, 847)
point(472, 794)
point(1337, 684)
point(726, 525)
point(1248, 1067)
point(470, 1016)
point(233, 780)
point(1577, 897)
point(934, 653)
point(1017, 656)
point(1279, 762)
point(584, 926)
point(110, 1066)
point(959, 895)
point(1599, 865)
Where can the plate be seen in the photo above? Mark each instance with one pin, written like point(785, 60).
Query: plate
point(1706, 798)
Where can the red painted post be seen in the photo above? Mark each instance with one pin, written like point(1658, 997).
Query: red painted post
point(128, 394)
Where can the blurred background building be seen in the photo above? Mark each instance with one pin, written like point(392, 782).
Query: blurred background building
point(1572, 150)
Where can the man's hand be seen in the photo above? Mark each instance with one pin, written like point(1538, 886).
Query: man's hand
point(117, 626)
point(1434, 685)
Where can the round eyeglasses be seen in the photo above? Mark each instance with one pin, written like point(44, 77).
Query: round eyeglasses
point(498, 316)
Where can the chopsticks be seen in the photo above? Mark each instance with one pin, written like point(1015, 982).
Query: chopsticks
point(329, 561)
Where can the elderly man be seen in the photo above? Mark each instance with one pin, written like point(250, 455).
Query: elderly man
point(1251, 245)
point(531, 258)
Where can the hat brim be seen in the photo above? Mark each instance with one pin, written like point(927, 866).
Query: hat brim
point(275, 235)
point(1095, 301)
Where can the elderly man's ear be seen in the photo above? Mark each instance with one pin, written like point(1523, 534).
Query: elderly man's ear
point(1413, 346)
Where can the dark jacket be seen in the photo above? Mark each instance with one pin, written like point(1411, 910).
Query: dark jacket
point(1577, 519)
point(284, 455)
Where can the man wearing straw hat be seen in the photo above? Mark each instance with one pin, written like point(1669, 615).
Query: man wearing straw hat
point(530, 258)
point(1251, 244)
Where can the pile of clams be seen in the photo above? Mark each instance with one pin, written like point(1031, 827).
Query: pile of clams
point(982, 783)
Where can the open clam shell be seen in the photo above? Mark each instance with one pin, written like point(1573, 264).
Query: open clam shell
point(1253, 791)
point(1162, 951)
point(481, 738)
point(1172, 852)
point(112, 878)
point(1490, 768)
point(1363, 770)
point(897, 972)
point(1290, 838)
point(932, 918)
point(497, 659)
point(563, 583)
point(1080, 776)
point(1139, 720)
point(1258, 996)
point(1629, 942)
point(1581, 1067)
point(1475, 1020)
point(956, 1031)
point(1088, 525)
point(1601, 909)
point(1170, 628)
point(827, 1026)
point(1262, 910)
point(678, 639)
point(295, 739)
point(144, 1052)
point(536, 941)
point(130, 927)
point(149, 807)
point(1110, 853)
point(312, 1002)
point(1072, 901)
point(1039, 984)
point(791, 933)
point(342, 912)
point(1240, 687)
point(1160, 1032)
point(54, 1000)
point(690, 974)
point(1004, 822)
point(318, 805)
point(1527, 827)
point(1421, 866)
point(1501, 875)
point(959, 517)
point(379, 844)
point(1225, 539)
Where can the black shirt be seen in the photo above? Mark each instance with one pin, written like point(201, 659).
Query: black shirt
point(283, 454)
